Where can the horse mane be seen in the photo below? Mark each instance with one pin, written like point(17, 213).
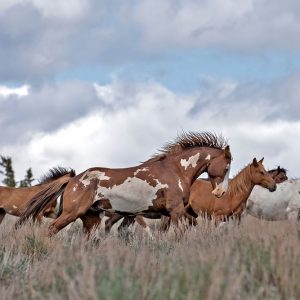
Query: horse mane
point(279, 169)
point(55, 173)
point(238, 182)
point(190, 140)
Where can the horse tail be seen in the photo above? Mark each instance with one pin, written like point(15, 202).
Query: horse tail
point(43, 198)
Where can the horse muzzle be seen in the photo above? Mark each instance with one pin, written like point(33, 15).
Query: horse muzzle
point(273, 188)
point(219, 191)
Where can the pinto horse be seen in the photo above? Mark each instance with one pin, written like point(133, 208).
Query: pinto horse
point(159, 185)
point(13, 201)
point(278, 174)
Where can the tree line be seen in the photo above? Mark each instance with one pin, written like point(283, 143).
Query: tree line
point(6, 169)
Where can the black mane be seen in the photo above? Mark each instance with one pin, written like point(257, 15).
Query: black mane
point(56, 173)
point(278, 169)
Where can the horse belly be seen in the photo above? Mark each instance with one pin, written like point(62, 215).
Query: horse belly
point(132, 196)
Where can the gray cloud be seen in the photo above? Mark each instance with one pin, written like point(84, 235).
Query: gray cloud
point(123, 125)
point(46, 109)
point(38, 42)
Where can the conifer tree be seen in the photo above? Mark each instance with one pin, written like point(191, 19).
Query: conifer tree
point(27, 181)
point(8, 172)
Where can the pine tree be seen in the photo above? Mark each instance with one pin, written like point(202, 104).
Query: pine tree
point(8, 172)
point(28, 179)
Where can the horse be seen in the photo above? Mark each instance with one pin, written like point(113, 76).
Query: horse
point(278, 174)
point(13, 201)
point(232, 203)
point(281, 205)
point(159, 185)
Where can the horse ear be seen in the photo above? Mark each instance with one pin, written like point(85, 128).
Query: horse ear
point(278, 169)
point(255, 163)
point(227, 152)
point(261, 161)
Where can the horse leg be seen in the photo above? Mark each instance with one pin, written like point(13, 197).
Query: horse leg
point(2, 215)
point(165, 223)
point(91, 221)
point(177, 213)
point(73, 208)
point(111, 221)
point(141, 221)
point(123, 228)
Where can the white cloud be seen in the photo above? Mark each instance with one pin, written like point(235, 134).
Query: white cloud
point(19, 91)
point(128, 131)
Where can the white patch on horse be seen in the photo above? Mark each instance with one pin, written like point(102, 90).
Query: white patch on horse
point(140, 170)
point(74, 189)
point(88, 176)
point(192, 161)
point(15, 207)
point(208, 157)
point(133, 195)
point(180, 185)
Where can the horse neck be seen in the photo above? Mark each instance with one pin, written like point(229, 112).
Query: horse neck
point(241, 187)
point(194, 161)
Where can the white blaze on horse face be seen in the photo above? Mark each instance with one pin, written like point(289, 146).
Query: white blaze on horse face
point(133, 195)
point(88, 176)
point(208, 157)
point(221, 188)
point(224, 183)
point(15, 207)
point(192, 161)
point(180, 185)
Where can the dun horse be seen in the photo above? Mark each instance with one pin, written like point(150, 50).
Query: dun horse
point(13, 201)
point(160, 185)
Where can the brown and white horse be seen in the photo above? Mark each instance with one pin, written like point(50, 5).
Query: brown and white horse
point(13, 201)
point(279, 175)
point(159, 185)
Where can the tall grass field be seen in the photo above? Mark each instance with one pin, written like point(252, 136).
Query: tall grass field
point(253, 260)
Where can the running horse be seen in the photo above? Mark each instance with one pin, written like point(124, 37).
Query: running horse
point(159, 185)
point(13, 200)
point(233, 202)
point(278, 174)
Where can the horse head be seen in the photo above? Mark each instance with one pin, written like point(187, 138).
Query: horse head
point(260, 176)
point(218, 172)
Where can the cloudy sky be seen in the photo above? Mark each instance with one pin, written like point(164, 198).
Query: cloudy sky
point(105, 83)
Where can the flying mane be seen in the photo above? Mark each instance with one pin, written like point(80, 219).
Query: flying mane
point(56, 173)
point(190, 140)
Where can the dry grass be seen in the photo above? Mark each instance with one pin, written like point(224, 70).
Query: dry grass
point(256, 260)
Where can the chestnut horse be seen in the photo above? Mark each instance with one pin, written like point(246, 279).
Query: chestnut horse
point(13, 201)
point(279, 175)
point(232, 203)
point(160, 185)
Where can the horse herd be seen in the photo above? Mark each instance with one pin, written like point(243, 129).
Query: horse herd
point(165, 186)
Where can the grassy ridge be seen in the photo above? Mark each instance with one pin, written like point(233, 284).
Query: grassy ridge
point(256, 260)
